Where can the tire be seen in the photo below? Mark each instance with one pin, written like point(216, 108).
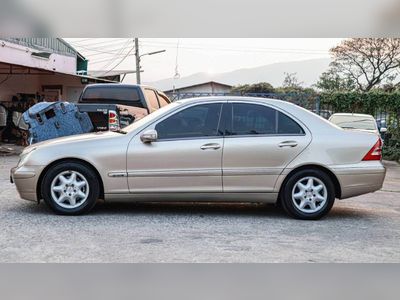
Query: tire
point(68, 195)
point(305, 201)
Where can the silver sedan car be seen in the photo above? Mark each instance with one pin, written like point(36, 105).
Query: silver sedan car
point(207, 149)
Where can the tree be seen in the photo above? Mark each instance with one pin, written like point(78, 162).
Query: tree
point(331, 80)
point(367, 62)
point(291, 81)
point(261, 87)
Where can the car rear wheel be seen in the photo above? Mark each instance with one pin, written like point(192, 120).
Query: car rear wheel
point(308, 195)
point(70, 188)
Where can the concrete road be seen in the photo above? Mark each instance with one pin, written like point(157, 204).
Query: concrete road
point(362, 229)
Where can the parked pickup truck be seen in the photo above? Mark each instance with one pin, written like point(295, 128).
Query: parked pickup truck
point(114, 106)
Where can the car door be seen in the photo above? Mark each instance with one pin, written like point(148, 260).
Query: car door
point(260, 141)
point(186, 157)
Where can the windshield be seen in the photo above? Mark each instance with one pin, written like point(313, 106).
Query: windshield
point(354, 122)
point(151, 116)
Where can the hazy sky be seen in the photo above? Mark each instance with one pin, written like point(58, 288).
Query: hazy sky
point(212, 55)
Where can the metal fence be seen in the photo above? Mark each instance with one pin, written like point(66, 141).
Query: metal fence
point(310, 101)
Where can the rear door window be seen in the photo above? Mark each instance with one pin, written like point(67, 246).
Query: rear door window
point(255, 119)
point(250, 119)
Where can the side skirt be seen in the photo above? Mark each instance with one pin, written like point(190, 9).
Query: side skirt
point(195, 197)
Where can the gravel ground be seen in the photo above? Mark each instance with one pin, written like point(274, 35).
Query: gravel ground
point(361, 229)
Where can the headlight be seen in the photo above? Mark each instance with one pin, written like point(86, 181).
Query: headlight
point(23, 158)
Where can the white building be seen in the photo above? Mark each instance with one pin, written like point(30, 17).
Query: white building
point(205, 88)
point(45, 67)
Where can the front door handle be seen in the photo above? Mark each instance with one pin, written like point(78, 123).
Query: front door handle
point(288, 144)
point(210, 146)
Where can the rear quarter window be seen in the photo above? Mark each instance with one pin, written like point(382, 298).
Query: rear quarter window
point(287, 125)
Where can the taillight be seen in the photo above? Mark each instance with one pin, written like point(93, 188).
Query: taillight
point(375, 153)
point(113, 120)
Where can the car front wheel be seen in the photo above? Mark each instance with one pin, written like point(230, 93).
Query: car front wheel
point(70, 188)
point(308, 195)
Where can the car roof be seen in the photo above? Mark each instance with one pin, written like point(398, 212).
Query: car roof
point(234, 98)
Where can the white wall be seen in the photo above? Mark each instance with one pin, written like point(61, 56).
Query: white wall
point(20, 55)
point(205, 88)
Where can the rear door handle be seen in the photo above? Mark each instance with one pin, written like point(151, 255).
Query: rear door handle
point(288, 144)
point(210, 146)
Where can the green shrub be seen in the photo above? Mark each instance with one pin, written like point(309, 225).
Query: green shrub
point(372, 102)
point(391, 153)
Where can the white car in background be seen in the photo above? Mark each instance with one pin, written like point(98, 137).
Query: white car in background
point(361, 122)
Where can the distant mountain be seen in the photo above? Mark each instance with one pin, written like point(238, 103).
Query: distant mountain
point(308, 71)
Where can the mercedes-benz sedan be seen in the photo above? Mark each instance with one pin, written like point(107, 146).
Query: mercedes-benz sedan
point(207, 149)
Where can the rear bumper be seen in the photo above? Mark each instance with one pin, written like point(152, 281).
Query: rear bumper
point(25, 179)
point(362, 178)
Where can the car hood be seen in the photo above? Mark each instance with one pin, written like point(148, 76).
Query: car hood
point(73, 139)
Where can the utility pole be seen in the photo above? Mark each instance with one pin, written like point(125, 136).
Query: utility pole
point(137, 60)
point(138, 56)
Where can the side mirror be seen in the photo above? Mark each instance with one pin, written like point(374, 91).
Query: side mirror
point(149, 136)
point(383, 130)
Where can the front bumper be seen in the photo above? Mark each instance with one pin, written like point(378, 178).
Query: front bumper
point(363, 178)
point(25, 179)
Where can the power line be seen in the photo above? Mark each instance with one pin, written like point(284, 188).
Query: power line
point(123, 59)
point(100, 45)
point(100, 52)
point(177, 75)
point(194, 46)
point(218, 48)
point(208, 45)
point(106, 59)
point(111, 51)
point(97, 41)
point(116, 56)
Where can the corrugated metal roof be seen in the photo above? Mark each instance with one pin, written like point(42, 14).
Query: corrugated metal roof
point(56, 45)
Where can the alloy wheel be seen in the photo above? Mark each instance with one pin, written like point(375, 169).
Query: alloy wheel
point(69, 189)
point(309, 194)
